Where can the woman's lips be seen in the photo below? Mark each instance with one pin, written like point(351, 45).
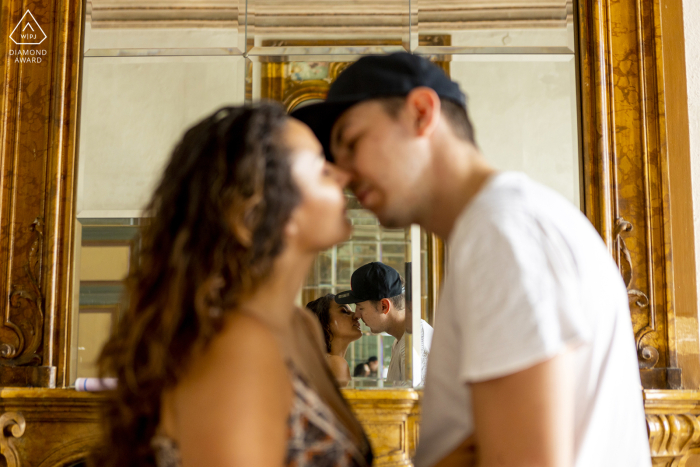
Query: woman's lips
point(362, 195)
point(357, 326)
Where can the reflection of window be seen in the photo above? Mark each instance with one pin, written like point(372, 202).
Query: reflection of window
point(369, 242)
point(333, 268)
point(108, 247)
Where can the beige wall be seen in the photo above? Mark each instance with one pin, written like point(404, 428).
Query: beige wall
point(691, 17)
point(524, 112)
point(134, 109)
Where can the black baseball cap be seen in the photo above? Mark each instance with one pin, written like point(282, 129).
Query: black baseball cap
point(374, 76)
point(372, 281)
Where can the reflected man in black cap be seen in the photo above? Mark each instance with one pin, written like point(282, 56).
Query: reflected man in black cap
point(534, 356)
point(379, 294)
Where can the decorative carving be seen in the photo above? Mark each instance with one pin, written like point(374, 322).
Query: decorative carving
point(278, 84)
point(23, 353)
point(672, 436)
point(626, 266)
point(12, 424)
point(648, 355)
point(73, 452)
point(335, 68)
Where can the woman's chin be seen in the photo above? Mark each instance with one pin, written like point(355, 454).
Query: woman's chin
point(346, 227)
point(342, 235)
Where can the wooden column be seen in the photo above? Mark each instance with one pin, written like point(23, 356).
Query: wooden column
point(39, 120)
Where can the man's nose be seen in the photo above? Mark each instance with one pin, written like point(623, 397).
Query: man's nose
point(341, 176)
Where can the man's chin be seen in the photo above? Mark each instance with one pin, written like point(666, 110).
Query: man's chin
point(391, 220)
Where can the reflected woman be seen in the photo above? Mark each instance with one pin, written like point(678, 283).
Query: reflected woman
point(340, 328)
point(215, 364)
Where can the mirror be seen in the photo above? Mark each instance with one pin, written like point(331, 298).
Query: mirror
point(151, 69)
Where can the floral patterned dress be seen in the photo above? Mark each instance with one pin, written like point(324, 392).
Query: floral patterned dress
point(316, 437)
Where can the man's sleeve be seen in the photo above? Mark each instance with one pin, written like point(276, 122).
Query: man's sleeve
point(521, 296)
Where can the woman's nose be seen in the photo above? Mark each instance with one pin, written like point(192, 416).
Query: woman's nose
point(342, 177)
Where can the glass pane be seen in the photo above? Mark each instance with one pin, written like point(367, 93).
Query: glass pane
point(369, 242)
point(105, 252)
point(495, 26)
point(164, 27)
point(298, 27)
point(134, 110)
point(94, 328)
point(524, 111)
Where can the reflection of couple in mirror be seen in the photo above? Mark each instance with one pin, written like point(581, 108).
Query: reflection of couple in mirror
point(379, 294)
point(340, 327)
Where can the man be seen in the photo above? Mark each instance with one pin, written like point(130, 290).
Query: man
point(534, 362)
point(380, 301)
point(373, 363)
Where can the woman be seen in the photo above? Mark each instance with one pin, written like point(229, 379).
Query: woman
point(361, 370)
point(340, 328)
point(215, 364)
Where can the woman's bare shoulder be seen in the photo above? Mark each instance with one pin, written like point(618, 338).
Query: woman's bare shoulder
point(338, 365)
point(239, 352)
point(234, 394)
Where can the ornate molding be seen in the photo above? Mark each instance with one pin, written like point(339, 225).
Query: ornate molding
point(673, 424)
point(292, 16)
point(647, 354)
point(278, 81)
point(672, 435)
point(25, 352)
point(38, 117)
point(71, 452)
point(13, 425)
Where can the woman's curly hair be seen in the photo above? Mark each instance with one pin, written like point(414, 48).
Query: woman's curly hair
point(215, 225)
point(321, 307)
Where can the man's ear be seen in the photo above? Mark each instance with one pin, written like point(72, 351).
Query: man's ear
point(385, 303)
point(423, 105)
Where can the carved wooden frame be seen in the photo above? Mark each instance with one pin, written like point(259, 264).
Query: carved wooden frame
point(626, 171)
point(39, 111)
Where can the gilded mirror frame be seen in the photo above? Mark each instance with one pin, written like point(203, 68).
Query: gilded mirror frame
point(636, 192)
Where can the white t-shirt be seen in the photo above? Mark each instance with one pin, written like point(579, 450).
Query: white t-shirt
point(397, 365)
point(527, 276)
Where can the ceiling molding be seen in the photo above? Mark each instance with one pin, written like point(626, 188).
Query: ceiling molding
point(293, 16)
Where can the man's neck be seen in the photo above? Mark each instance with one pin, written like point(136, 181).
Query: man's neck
point(460, 172)
point(398, 326)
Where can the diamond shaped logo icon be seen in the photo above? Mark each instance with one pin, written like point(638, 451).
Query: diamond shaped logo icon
point(28, 31)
